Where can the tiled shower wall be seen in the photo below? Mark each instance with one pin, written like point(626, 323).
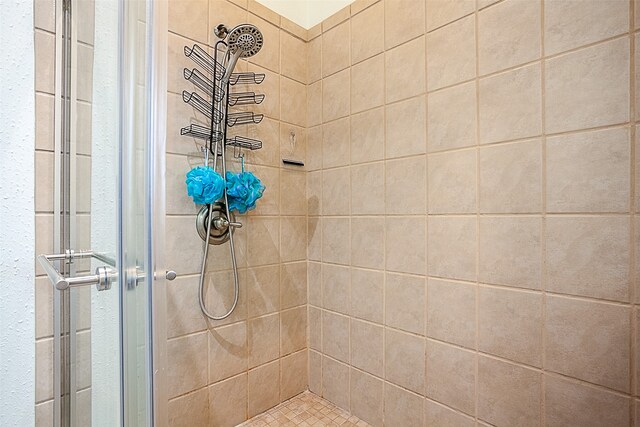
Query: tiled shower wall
point(44, 34)
point(222, 372)
point(472, 212)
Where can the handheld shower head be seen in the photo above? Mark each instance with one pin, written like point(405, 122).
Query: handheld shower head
point(245, 38)
point(244, 41)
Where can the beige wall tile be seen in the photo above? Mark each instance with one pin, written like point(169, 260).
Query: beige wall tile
point(451, 312)
point(293, 62)
point(335, 336)
point(44, 370)
point(406, 181)
point(336, 18)
point(335, 288)
point(510, 251)
point(335, 382)
point(401, 407)
point(367, 185)
point(336, 96)
point(314, 104)
point(295, 96)
point(293, 192)
point(335, 143)
point(263, 335)
point(44, 307)
point(364, 42)
point(314, 279)
point(589, 172)
point(405, 360)
point(293, 232)
point(314, 192)
point(405, 128)
point(511, 105)
point(508, 394)
point(314, 230)
point(452, 247)
point(293, 284)
point(510, 324)
point(227, 351)
point(367, 395)
point(267, 130)
point(588, 256)
point(405, 245)
point(315, 372)
point(186, 356)
point(293, 330)
point(219, 291)
point(263, 287)
point(405, 302)
point(445, 68)
point(570, 24)
point(367, 293)
point(335, 52)
point(314, 60)
point(511, 178)
point(183, 313)
point(569, 402)
point(259, 9)
point(404, 20)
point(263, 388)
point(44, 176)
point(315, 328)
point(178, 202)
point(44, 241)
point(404, 70)
point(293, 371)
point(270, 107)
point(269, 55)
point(580, 336)
point(451, 117)
point(336, 241)
point(190, 18)
point(367, 347)
point(367, 136)
point(335, 192)
point(186, 410)
point(45, 62)
point(508, 35)
point(452, 182)
point(44, 121)
point(441, 12)
point(367, 84)
point(440, 415)
point(451, 376)
point(228, 401)
point(588, 88)
point(263, 235)
point(367, 236)
point(44, 15)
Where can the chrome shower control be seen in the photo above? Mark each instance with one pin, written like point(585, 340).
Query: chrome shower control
point(220, 224)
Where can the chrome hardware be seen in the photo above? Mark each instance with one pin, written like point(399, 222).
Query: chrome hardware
point(220, 224)
point(103, 278)
point(171, 275)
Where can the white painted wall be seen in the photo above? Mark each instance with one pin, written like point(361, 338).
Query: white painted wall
point(17, 217)
point(306, 13)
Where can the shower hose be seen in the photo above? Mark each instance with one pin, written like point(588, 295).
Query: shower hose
point(236, 287)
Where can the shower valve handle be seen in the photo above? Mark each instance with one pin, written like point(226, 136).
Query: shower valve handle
point(221, 223)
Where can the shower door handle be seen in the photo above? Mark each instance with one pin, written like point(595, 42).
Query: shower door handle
point(102, 279)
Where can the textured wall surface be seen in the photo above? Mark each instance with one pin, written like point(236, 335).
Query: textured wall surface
point(17, 322)
point(472, 212)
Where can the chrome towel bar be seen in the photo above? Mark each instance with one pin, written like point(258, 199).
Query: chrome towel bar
point(103, 278)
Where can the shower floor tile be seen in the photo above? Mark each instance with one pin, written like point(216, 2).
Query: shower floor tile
point(305, 410)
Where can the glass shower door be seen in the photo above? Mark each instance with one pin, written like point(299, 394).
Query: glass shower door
point(102, 334)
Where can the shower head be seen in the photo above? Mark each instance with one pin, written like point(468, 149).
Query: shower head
point(244, 41)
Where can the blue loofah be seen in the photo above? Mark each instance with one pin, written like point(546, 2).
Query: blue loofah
point(204, 185)
point(243, 189)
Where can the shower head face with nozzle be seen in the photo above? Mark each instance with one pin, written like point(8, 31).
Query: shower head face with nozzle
point(245, 38)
